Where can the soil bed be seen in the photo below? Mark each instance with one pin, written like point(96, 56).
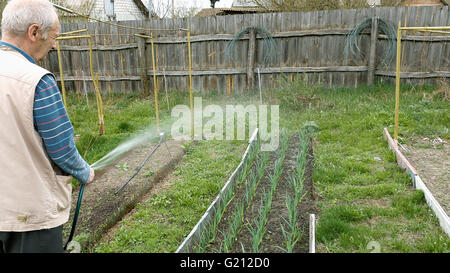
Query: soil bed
point(431, 159)
point(273, 240)
point(101, 208)
point(250, 213)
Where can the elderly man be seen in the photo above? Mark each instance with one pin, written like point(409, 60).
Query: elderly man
point(37, 150)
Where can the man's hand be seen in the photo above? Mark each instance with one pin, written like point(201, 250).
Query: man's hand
point(91, 176)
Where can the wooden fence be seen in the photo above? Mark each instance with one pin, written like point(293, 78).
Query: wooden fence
point(309, 45)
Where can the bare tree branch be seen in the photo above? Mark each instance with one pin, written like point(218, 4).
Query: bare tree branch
point(308, 5)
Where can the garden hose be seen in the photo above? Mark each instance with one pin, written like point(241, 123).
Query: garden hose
point(75, 217)
point(80, 195)
point(142, 164)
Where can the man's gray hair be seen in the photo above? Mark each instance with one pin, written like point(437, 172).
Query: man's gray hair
point(18, 15)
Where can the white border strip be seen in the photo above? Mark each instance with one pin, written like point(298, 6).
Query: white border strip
point(312, 233)
point(434, 204)
point(208, 214)
point(444, 220)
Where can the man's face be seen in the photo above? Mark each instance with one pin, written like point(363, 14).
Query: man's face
point(44, 46)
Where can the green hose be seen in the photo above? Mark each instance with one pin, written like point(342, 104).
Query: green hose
point(75, 217)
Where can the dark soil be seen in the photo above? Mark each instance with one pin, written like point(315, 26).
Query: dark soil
point(101, 208)
point(249, 213)
point(307, 206)
point(273, 240)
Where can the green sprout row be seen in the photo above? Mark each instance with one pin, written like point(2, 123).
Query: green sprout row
point(251, 176)
point(209, 232)
point(297, 178)
point(234, 227)
point(250, 190)
point(291, 231)
point(255, 177)
point(259, 229)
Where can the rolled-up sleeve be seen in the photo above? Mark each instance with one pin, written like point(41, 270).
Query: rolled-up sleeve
point(53, 124)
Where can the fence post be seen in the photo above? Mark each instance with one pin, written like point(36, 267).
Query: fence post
point(373, 51)
point(142, 60)
point(251, 58)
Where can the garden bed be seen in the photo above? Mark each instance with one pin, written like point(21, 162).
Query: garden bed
point(101, 207)
point(267, 207)
point(430, 157)
point(362, 194)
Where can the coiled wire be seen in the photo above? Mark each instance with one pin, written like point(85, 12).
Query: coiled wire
point(385, 27)
point(269, 44)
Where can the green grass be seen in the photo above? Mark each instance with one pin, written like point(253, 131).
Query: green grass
point(124, 116)
point(363, 195)
point(353, 164)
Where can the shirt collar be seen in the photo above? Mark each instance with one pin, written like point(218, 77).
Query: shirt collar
point(26, 55)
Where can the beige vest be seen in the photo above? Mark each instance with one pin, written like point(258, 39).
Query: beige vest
point(32, 195)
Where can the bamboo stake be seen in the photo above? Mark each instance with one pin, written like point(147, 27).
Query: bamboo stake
point(399, 53)
point(165, 88)
point(73, 32)
point(397, 79)
point(94, 79)
point(426, 28)
point(97, 90)
point(142, 62)
point(433, 31)
point(100, 108)
point(259, 83)
point(404, 45)
point(155, 85)
point(85, 89)
point(63, 87)
point(74, 37)
point(190, 81)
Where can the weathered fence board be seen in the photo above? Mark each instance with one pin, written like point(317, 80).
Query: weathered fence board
point(309, 45)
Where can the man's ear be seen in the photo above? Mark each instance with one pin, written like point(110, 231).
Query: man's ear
point(33, 32)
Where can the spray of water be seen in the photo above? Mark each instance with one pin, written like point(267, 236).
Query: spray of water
point(147, 135)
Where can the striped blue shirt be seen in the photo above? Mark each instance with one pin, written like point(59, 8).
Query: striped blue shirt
point(52, 123)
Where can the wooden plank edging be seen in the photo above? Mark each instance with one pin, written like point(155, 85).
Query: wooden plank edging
point(418, 184)
point(207, 216)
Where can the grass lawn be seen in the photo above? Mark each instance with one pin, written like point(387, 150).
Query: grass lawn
point(362, 195)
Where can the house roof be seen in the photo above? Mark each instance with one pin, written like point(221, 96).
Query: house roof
point(86, 6)
point(244, 3)
point(141, 7)
point(228, 11)
point(209, 12)
point(82, 6)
